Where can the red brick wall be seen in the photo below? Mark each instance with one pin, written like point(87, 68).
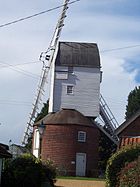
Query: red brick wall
point(133, 129)
point(59, 143)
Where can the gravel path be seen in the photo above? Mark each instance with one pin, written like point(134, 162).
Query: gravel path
point(79, 183)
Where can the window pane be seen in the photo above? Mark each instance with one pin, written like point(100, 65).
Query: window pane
point(81, 136)
point(69, 89)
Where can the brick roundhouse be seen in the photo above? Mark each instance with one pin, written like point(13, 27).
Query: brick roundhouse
point(69, 139)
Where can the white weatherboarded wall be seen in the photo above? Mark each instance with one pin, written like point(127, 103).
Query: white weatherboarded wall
point(86, 89)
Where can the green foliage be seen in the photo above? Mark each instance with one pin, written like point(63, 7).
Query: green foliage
point(28, 145)
point(106, 149)
point(44, 111)
point(27, 171)
point(129, 176)
point(117, 162)
point(61, 170)
point(133, 102)
point(52, 169)
point(80, 178)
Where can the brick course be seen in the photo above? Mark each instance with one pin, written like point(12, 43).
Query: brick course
point(60, 144)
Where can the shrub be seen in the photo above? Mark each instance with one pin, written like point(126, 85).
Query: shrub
point(50, 171)
point(129, 176)
point(117, 162)
point(62, 171)
point(27, 171)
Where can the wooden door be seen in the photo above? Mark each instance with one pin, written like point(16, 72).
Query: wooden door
point(80, 164)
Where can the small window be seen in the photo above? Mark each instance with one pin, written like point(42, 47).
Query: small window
point(81, 136)
point(69, 89)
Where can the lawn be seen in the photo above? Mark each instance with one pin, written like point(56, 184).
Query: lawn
point(79, 182)
point(80, 178)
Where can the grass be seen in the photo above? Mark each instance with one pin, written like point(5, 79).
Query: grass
point(79, 178)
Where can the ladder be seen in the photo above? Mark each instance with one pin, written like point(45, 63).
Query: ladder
point(110, 123)
point(47, 58)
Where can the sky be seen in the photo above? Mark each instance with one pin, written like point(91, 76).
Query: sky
point(113, 25)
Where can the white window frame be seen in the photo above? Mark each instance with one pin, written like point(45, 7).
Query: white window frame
point(70, 89)
point(81, 139)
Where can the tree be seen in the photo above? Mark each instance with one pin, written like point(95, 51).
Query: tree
point(28, 145)
point(133, 102)
point(106, 149)
point(44, 111)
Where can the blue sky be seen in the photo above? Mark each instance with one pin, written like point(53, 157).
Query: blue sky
point(110, 24)
point(133, 65)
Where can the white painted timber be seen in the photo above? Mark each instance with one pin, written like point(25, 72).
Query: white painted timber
point(36, 144)
point(85, 97)
point(52, 78)
point(80, 164)
point(61, 75)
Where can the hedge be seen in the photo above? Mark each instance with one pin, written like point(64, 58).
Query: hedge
point(129, 176)
point(28, 171)
point(117, 162)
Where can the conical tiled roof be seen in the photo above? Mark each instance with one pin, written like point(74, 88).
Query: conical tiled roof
point(66, 116)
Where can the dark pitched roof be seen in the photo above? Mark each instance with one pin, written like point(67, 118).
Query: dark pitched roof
point(66, 116)
point(4, 146)
point(78, 54)
point(127, 123)
point(4, 153)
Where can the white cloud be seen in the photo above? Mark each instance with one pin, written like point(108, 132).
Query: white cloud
point(86, 21)
point(116, 85)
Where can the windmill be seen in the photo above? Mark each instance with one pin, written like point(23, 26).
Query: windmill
point(48, 58)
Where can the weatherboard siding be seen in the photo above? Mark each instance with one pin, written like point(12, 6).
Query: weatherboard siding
point(85, 97)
